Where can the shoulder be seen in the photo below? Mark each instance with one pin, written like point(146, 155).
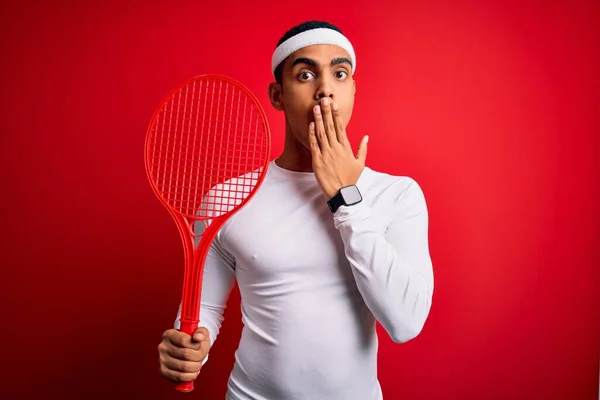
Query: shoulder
point(399, 192)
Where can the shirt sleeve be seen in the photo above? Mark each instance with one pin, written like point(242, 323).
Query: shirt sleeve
point(217, 282)
point(391, 264)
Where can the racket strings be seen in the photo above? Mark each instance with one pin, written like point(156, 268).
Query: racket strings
point(207, 148)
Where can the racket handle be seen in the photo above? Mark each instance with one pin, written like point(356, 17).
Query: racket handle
point(188, 327)
point(185, 386)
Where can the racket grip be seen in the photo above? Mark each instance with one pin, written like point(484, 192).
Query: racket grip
point(188, 327)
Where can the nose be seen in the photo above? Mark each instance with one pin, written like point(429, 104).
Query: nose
point(322, 94)
point(325, 89)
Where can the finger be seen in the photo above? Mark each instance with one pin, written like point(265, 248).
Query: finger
point(187, 354)
point(181, 339)
point(312, 140)
point(183, 367)
point(339, 125)
point(320, 129)
point(201, 334)
point(361, 154)
point(176, 376)
point(204, 348)
point(328, 122)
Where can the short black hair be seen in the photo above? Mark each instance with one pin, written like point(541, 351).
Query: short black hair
point(305, 26)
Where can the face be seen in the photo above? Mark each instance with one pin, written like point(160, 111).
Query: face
point(308, 75)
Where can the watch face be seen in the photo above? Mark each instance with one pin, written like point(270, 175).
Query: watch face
point(351, 195)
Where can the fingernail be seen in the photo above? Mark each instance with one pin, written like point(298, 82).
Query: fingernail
point(317, 110)
point(334, 106)
point(199, 337)
point(325, 101)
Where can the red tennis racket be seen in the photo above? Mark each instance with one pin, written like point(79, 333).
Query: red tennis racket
point(206, 153)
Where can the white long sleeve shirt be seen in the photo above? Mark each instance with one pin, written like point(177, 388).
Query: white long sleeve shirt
point(313, 284)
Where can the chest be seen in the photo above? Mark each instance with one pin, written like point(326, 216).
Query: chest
point(285, 232)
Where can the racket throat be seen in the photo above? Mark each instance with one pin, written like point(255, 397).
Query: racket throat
point(193, 274)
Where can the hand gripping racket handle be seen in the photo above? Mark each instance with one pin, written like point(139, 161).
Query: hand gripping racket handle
point(188, 327)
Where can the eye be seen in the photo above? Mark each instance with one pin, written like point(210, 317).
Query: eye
point(306, 75)
point(341, 74)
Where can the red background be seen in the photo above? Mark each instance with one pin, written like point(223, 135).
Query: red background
point(491, 106)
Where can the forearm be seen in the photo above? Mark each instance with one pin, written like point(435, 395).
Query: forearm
point(392, 268)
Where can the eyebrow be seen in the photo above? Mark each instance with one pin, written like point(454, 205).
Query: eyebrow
point(311, 62)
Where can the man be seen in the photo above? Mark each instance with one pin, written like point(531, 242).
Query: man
point(326, 248)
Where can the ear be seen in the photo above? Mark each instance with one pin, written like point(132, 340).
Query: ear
point(353, 87)
point(276, 96)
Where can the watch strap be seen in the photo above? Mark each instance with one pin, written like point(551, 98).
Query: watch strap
point(335, 202)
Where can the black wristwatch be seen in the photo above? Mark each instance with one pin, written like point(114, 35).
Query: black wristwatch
point(346, 196)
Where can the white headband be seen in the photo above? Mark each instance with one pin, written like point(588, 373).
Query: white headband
point(309, 38)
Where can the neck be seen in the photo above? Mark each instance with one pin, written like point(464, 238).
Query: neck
point(295, 156)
